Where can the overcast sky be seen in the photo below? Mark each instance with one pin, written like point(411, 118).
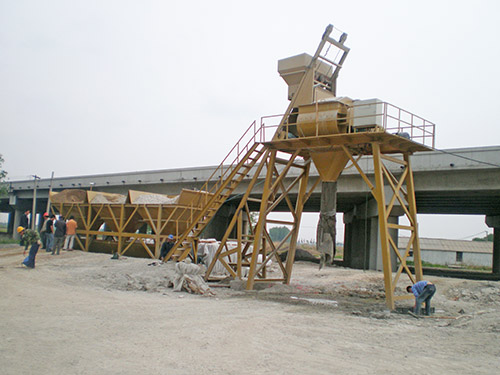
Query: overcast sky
point(89, 87)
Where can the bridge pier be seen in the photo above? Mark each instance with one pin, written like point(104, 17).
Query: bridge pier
point(10, 224)
point(219, 223)
point(17, 221)
point(494, 222)
point(362, 246)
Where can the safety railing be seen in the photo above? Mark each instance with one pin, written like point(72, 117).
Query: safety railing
point(252, 135)
point(373, 116)
point(399, 121)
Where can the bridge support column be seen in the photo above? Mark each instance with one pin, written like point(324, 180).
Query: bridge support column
point(219, 223)
point(355, 242)
point(362, 246)
point(326, 235)
point(17, 220)
point(10, 224)
point(494, 222)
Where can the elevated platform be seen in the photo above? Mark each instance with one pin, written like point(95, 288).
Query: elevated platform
point(358, 143)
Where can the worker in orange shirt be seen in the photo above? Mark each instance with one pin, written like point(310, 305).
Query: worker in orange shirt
point(71, 226)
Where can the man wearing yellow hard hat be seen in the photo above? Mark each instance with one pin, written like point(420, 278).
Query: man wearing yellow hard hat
point(30, 238)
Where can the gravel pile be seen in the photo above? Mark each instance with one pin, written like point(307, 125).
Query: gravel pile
point(69, 196)
point(107, 198)
point(155, 199)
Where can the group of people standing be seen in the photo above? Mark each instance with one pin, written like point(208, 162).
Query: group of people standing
point(55, 234)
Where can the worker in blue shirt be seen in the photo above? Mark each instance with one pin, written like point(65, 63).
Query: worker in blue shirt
point(423, 291)
point(167, 246)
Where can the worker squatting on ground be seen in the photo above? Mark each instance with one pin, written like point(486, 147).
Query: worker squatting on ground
point(423, 291)
point(166, 246)
point(30, 238)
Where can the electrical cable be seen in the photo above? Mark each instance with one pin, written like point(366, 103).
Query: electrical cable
point(467, 158)
point(473, 235)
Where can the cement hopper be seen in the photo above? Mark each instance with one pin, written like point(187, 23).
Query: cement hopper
point(292, 70)
point(109, 208)
point(69, 196)
point(155, 209)
point(67, 203)
point(142, 197)
point(171, 214)
point(195, 198)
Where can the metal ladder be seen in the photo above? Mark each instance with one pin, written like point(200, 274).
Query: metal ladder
point(188, 240)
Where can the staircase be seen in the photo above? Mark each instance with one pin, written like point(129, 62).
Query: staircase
point(224, 181)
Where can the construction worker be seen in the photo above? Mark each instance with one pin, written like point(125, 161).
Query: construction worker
point(423, 292)
point(59, 235)
point(49, 233)
point(30, 238)
point(71, 226)
point(25, 223)
point(166, 246)
point(43, 230)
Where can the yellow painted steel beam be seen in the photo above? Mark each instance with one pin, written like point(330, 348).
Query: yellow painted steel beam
point(274, 252)
point(402, 266)
point(311, 190)
point(412, 205)
point(243, 203)
point(359, 169)
point(396, 189)
point(298, 213)
point(396, 195)
point(262, 219)
point(284, 195)
point(239, 230)
point(384, 232)
point(394, 160)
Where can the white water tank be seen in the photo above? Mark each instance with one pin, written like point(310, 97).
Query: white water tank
point(368, 113)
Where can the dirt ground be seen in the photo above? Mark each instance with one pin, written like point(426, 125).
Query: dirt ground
point(84, 313)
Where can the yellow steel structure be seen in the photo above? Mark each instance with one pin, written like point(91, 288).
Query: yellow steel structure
point(318, 128)
point(123, 219)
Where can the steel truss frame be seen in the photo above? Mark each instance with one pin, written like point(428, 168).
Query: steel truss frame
point(401, 194)
point(120, 217)
point(254, 250)
point(401, 191)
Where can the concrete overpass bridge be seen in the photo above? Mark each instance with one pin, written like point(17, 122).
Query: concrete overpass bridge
point(455, 181)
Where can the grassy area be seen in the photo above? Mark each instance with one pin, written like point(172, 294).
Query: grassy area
point(4, 239)
point(454, 267)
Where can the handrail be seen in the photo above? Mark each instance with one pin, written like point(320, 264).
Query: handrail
point(242, 146)
point(226, 172)
point(386, 116)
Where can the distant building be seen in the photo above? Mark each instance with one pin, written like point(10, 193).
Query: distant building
point(453, 252)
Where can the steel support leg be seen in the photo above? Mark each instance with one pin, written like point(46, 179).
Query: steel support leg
point(383, 227)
